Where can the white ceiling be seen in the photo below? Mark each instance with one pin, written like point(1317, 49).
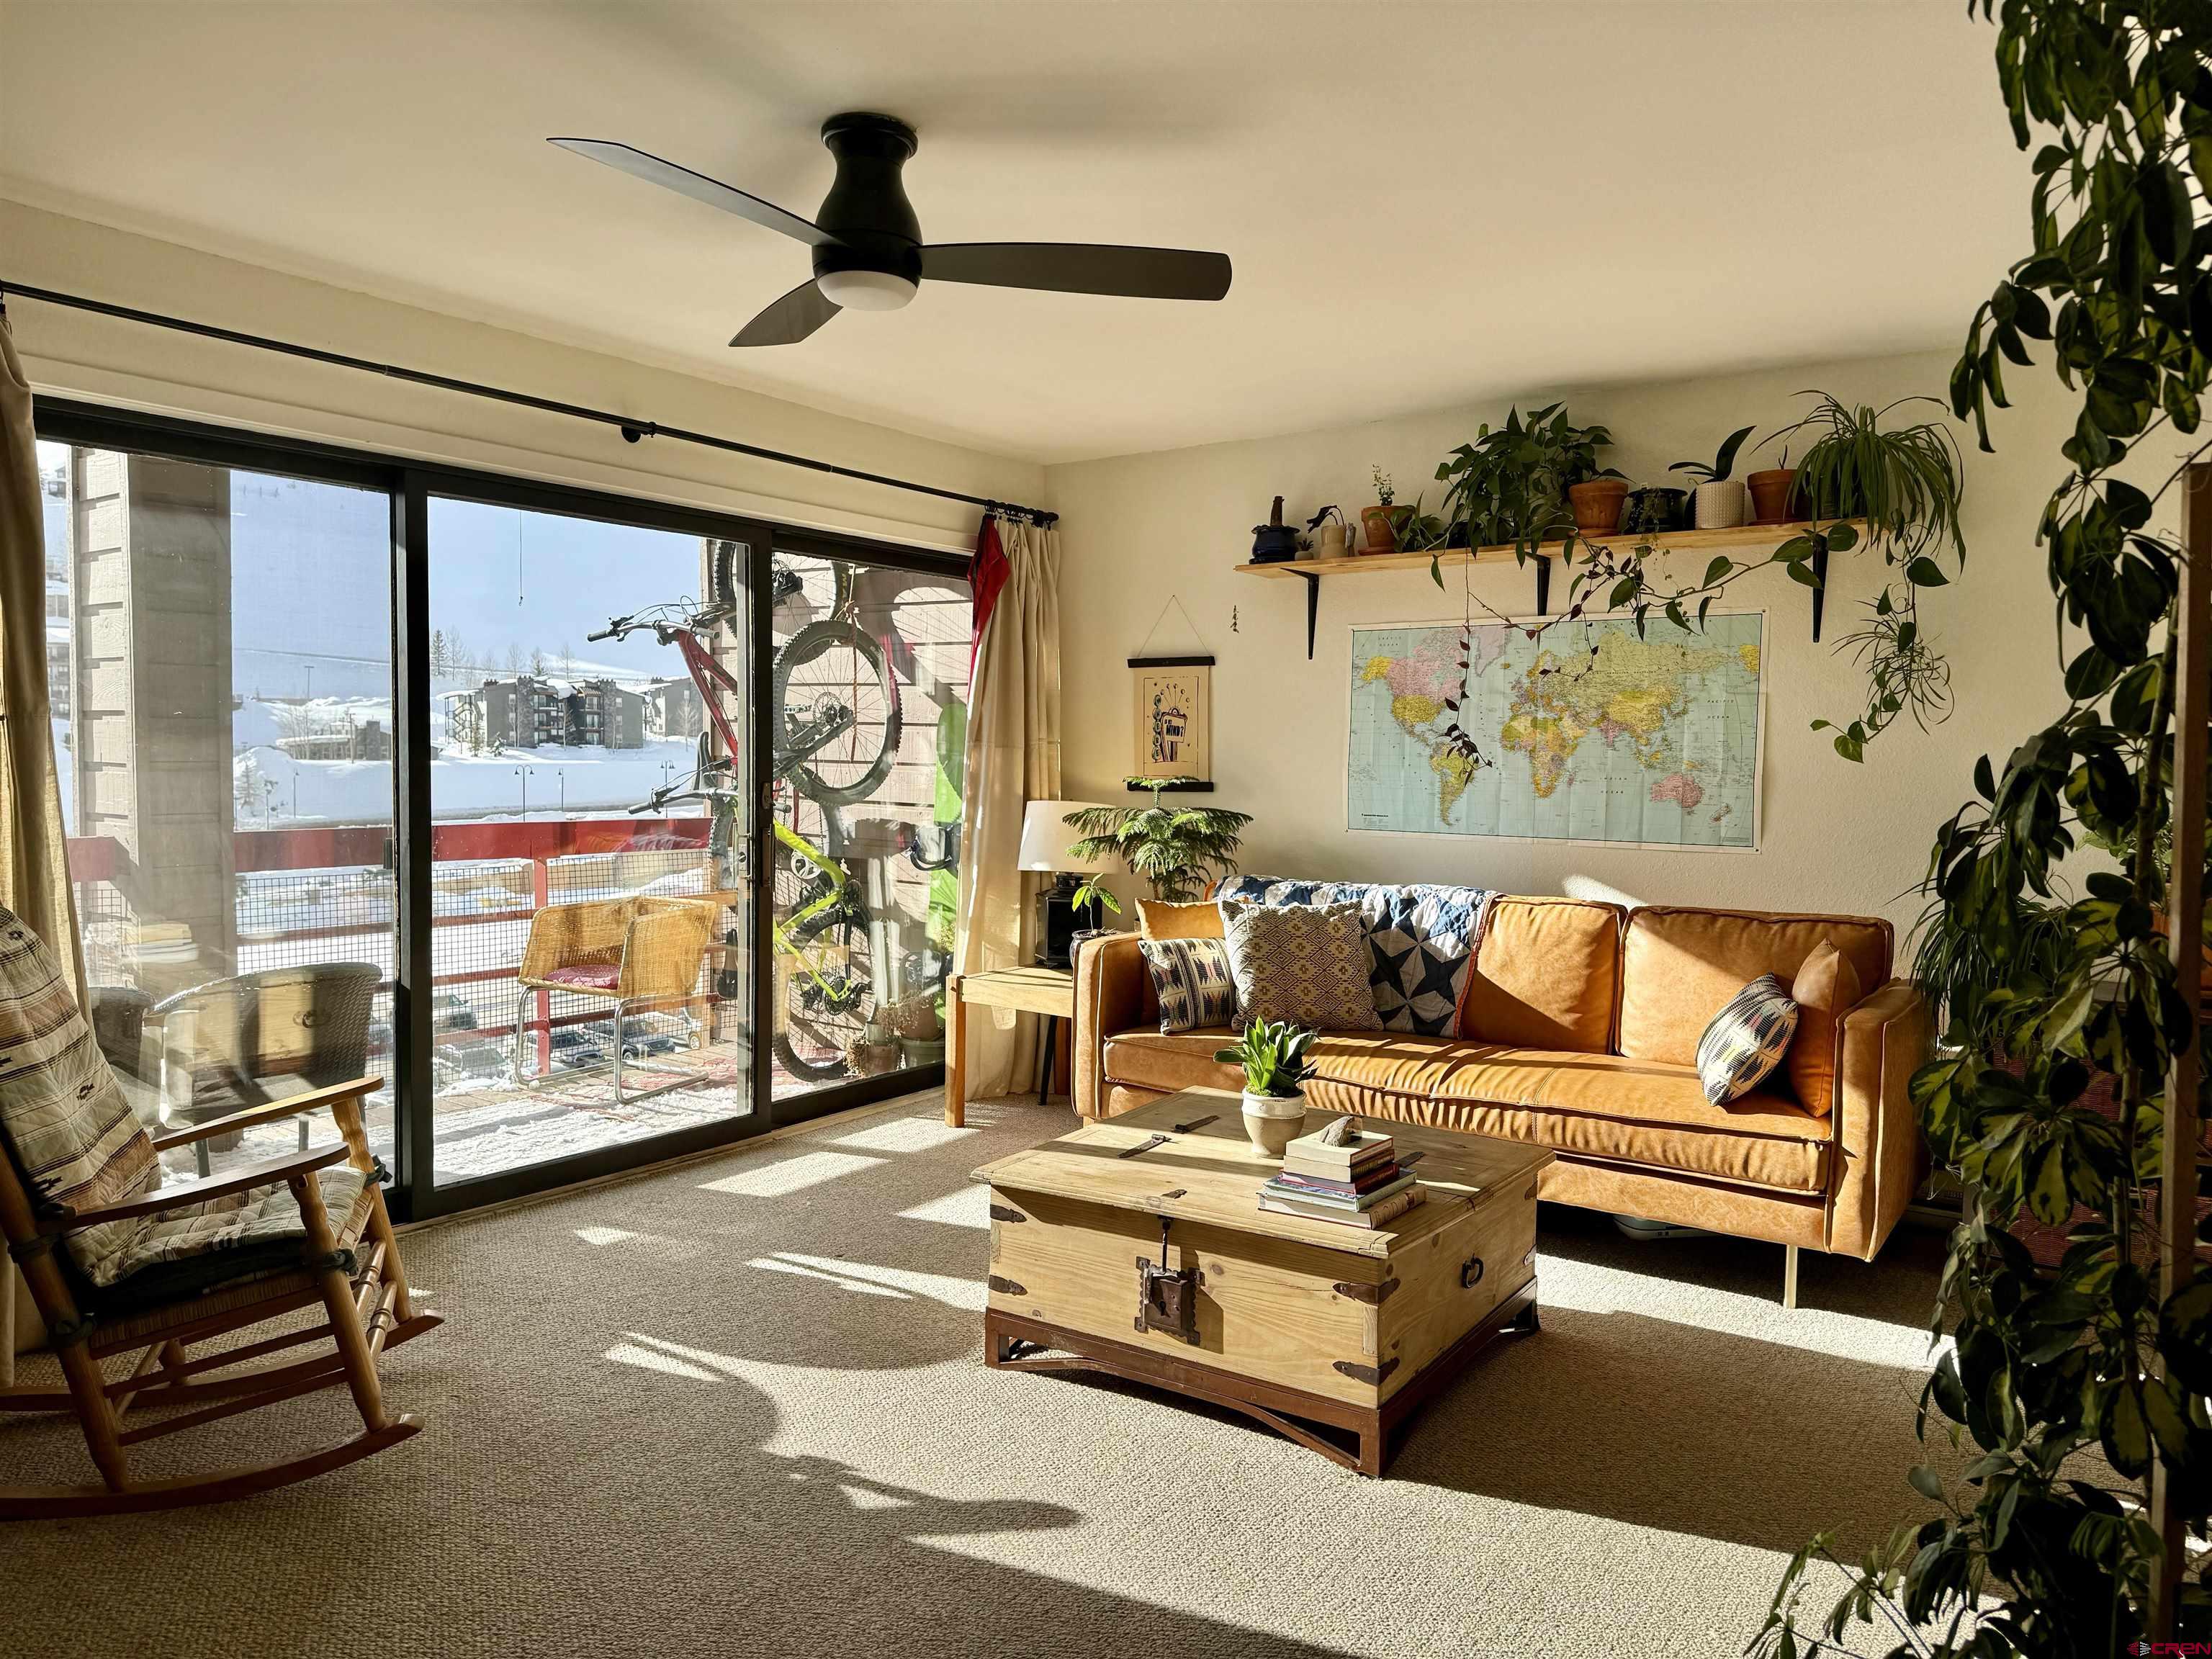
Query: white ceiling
point(1426, 205)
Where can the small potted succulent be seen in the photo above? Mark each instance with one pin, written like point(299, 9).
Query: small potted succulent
point(1273, 1057)
point(1381, 520)
point(1718, 502)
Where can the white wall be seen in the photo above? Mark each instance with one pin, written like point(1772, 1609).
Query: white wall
point(77, 354)
point(1835, 837)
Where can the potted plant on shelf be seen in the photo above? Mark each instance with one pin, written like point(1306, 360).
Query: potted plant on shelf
point(1773, 492)
point(1381, 520)
point(1904, 481)
point(1717, 502)
point(1179, 849)
point(1328, 536)
point(1273, 1057)
point(1512, 486)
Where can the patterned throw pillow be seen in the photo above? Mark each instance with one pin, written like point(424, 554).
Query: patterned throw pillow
point(1307, 965)
point(1191, 978)
point(1747, 1040)
point(1420, 940)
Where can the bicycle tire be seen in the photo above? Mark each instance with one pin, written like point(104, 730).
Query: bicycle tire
point(796, 1014)
point(723, 587)
point(804, 647)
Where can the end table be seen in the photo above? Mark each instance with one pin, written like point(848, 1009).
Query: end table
point(1049, 992)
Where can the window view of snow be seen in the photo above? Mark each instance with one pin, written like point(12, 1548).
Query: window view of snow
point(220, 667)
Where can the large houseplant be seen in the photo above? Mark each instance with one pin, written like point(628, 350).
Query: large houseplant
point(1178, 849)
point(1510, 486)
point(2069, 1390)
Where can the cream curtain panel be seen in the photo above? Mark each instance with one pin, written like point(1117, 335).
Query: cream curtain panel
point(1013, 758)
point(33, 856)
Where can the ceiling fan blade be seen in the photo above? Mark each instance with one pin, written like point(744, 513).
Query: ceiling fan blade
point(698, 186)
point(790, 320)
point(1143, 273)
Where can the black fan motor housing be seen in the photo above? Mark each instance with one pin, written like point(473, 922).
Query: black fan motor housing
point(867, 209)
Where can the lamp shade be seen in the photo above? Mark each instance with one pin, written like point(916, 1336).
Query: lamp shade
point(1046, 837)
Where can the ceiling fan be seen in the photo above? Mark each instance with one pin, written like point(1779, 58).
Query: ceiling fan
point(868, 251)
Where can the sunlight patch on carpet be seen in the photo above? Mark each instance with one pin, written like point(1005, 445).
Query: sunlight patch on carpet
point(800, 1271)
point(790, 1174)
point(902, 1134)
point(969, 1293)
point(969, 1207)
point(630, 1353)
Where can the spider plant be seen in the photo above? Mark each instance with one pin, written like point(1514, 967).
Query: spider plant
point(1904, 481)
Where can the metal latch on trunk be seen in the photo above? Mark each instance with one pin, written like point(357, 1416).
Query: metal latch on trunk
point(1167, 1300)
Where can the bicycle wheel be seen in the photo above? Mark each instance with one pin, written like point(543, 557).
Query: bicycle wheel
point(827, 667)
point(827, 996)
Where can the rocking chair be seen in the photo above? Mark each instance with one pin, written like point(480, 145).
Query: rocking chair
point(635, 954)
point(118, 1263)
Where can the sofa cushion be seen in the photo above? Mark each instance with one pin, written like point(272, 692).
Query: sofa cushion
point(1303, 963)
point(1747, 1040)
point(1826, 987)
point(1679, 966)
point(1595, 1106)
point(1158, 919)
point(1420, 936)
point(1547, 975)
point(1191, 979)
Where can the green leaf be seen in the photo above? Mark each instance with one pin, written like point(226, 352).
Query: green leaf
point(1924, 571)
point(1717, 570)
point(1926, 1482)
point(1841, 539)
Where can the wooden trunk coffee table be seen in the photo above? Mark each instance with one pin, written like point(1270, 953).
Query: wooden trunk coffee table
point(1136, 1246)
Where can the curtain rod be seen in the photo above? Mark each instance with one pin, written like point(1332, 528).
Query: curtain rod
point(632, 428)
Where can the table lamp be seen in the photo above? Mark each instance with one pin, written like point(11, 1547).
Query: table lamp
point(1046, 837)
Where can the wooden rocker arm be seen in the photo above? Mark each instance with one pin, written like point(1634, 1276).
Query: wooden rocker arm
point(267, 1173)
point(336, 1095)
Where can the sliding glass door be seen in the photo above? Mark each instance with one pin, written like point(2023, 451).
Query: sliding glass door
point(590, 898)
point(604, 830)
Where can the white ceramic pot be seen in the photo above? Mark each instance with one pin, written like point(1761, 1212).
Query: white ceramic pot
point(1273, 1120)
point(1721, 505)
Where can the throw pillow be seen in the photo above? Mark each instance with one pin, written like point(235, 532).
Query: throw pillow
point(1191, 978)
point(1306, 965)
point(1826, 987)
point(1420, 937)
point(1158, 919)
point(1746, 1040)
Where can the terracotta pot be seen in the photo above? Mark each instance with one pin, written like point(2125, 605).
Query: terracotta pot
point(1773, 495)
point(1597, 505)
point(1382, 530)
point(1719, 505)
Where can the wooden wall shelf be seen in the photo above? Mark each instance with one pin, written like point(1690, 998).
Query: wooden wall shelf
point(1767, 536)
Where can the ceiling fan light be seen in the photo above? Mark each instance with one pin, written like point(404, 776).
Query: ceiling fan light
point(865, 290)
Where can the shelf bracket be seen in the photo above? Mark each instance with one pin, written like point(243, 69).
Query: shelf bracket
point(1543, 584)
point(1819, 583)
point(1313, 607)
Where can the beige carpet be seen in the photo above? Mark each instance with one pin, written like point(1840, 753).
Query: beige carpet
point(739, 1408)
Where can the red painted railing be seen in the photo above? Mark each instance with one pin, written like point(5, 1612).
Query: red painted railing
point(370, 846)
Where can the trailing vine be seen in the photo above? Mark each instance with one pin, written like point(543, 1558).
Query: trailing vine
point(2064, 1389)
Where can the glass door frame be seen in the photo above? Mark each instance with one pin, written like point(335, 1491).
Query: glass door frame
point(416, 1195)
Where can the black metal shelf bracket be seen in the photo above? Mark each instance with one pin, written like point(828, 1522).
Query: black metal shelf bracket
point(1820, 582)
point(1543, 584)
point(1313, 609)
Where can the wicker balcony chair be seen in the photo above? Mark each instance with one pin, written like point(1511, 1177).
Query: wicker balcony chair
point(635, 954)
point(253, 1039)
point(120, 1263)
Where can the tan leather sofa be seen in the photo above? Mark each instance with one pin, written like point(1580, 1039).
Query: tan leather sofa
point(1578, 1030)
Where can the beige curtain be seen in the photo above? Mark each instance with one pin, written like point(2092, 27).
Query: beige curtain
point(1013, 758)
point(33, 856)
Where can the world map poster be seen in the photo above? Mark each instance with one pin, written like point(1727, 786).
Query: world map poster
point(1586, 733)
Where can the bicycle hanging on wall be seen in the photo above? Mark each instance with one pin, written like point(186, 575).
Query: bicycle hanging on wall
point(835, 730)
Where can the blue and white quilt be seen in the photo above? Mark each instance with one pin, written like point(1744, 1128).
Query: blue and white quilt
point(1420, 937)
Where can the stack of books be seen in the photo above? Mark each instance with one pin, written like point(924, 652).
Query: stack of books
point(1359, 1183)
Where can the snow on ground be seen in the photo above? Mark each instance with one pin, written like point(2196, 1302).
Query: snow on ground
point(274, 789)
